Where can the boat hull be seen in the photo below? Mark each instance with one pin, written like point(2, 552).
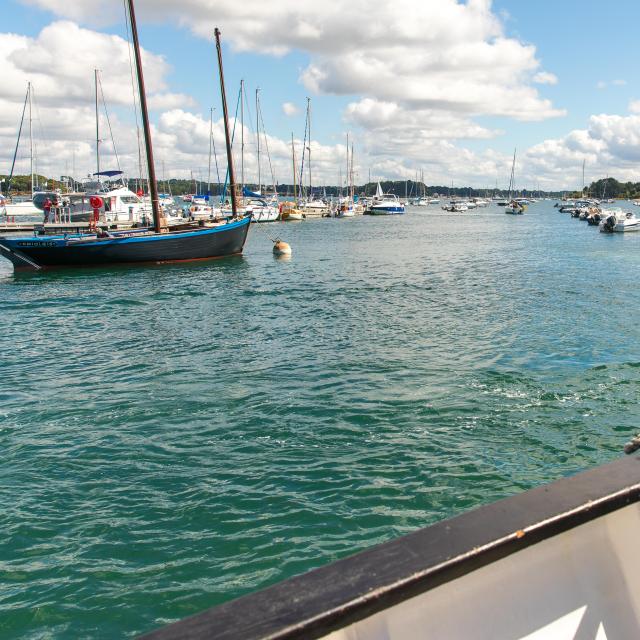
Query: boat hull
point(88, 250)
point(386, 211)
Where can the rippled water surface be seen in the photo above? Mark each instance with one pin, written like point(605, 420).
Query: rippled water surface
point(173, 437)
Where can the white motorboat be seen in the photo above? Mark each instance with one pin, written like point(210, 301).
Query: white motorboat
point(315, 208)
point(200, 211)
point(515, 208)
point(385, 204)
point(455, 207)
point(17, 209)
point(261, 211)
point(618, 221)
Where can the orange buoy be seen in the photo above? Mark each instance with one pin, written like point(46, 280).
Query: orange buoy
point(281, 248)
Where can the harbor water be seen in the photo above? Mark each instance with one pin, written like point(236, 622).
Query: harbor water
point(176, 436)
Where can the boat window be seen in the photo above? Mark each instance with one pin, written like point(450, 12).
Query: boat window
point(130, 199)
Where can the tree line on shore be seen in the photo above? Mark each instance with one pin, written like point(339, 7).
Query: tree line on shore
point(602, 188)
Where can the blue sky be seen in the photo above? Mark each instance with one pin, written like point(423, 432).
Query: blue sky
point(591, 52)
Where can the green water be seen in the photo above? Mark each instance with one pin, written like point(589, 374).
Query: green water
point(173, 437)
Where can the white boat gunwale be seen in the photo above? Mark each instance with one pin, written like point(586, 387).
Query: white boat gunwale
point(352, 589)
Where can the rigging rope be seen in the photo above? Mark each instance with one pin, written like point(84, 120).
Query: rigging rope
point(135, 101)
point(106, 113)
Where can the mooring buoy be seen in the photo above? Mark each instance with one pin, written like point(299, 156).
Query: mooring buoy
point(281, 248)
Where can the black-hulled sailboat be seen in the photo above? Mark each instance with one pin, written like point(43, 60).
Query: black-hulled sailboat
point(157, 244)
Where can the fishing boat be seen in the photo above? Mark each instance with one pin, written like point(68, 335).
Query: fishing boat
point(385, 204)
point(556, 562)
point(191, 241)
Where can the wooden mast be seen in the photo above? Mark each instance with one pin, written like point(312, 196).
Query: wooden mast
point(158, 217)
point(232, 181)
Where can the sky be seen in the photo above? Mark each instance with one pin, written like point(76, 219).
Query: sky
point(441, 87)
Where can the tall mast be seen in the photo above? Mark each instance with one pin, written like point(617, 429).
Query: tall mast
point(293, 157)
point(95, 78)
point(347, 176)
point(15, 153)
point(232, 180)
point(513, 167)
point(583, 185)
point(353, 188)
point(30, 134)
point(258, 138)
point(210, 143)
point(309, 125)
point(242, 137)
point(158, 218)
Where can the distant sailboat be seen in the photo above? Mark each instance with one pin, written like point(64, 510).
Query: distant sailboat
point(513, 207)
point(310, 207)
point(24, 206)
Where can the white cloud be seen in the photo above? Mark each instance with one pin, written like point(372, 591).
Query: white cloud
point(634, 106)
point(462, 62)
point(544, 77)
point(413, 90)
point(619, 83)
point(290, 109)
point(610, 145)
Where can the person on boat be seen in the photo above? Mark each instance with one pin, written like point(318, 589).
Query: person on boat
point(46, 207)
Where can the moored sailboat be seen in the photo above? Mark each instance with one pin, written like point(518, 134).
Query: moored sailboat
point(157, 244)
point(513, 206)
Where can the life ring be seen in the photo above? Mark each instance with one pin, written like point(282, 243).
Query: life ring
point(96, 202)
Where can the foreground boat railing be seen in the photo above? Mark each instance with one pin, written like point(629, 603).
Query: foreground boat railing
point(480, 569)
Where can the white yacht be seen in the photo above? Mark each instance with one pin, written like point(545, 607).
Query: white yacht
point(317, 208)
point(261, 211)
point(384, 204)
point(16, 209)
point(387, 204)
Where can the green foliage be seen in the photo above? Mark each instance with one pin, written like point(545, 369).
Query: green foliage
point(611, 188)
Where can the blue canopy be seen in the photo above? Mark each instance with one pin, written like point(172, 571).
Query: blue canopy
point(250, 194)
point(109, 174)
